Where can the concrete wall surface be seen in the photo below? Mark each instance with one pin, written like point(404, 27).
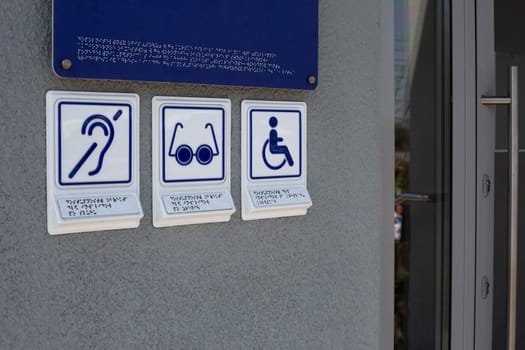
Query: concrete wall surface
point(309, 282)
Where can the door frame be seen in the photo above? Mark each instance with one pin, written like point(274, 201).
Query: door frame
point(473, 157)
point(386, 107)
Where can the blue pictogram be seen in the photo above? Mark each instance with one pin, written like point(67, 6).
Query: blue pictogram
point(272, 145)
point(95, 143)
point(192, 143)
point(184, 155)
point(92, 122)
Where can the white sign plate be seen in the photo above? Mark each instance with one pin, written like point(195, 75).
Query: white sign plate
point(191, 159)
point(284, 196)
point(197, 202)
point(98, 206)
point(92, 150)
point(273, 159)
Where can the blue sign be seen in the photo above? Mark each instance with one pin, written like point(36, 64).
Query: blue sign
point(262, 43)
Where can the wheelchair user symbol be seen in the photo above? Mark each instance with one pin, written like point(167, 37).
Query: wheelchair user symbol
point(184, 153)
point(272, 145)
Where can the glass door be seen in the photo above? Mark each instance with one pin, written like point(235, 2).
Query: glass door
point(423, 161)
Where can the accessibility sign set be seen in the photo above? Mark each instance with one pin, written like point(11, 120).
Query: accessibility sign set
point(93, 177)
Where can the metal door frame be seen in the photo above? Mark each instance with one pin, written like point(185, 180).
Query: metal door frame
point(473, 67)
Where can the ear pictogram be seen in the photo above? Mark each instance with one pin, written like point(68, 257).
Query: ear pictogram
point(89, 125)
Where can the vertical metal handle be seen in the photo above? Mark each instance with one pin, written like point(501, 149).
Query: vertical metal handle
point(513, 205)
point(512, 100)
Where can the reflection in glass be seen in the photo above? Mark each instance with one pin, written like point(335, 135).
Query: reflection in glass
point(422, 175)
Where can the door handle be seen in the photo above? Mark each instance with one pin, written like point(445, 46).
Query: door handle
point(413, 197)
point(512, 101)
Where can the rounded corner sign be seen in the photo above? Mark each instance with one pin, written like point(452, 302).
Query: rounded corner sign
point(191, 160)
point(275, 144)
point(193, 143)
point(273, 159)
point(93, 177)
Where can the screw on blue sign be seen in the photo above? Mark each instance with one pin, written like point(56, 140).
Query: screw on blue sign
point(275, 144)
point(94, 143)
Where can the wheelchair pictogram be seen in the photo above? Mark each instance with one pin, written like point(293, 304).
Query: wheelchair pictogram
point(272, 145)
point(184, 155)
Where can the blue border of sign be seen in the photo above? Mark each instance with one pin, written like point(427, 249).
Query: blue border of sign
point(164, 143)
point(300, 144)
point(129, 180)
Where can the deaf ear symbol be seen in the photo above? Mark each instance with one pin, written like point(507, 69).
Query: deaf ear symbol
point(92, 122)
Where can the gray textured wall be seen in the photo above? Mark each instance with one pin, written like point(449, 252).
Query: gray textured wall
point(309, 282)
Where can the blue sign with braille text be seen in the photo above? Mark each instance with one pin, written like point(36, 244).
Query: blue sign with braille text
point(259, 43)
